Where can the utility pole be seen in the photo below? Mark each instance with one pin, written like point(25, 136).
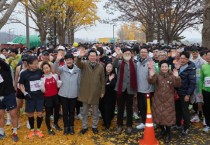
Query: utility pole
point(27, 27)
point(113, 34)
point(55, 37)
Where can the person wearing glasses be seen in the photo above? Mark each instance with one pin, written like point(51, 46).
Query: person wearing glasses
point(196, 100)
point(187, 72)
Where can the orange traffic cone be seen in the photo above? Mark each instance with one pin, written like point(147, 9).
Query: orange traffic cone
point(149, 133)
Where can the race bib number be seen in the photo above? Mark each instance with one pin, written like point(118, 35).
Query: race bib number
point(207, 82)
point(34, 85)
point(1, 79)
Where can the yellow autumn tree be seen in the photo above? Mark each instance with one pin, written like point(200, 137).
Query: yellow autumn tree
point(68, 16)
point(132, 32)
point(73, 15)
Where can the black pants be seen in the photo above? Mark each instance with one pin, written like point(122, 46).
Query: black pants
point(142, 105)
point(206, 107)
point(125, 99)
point(52, 108)
point(107, 107)
point(68, 106)
point(182, 111)
point(78, 105)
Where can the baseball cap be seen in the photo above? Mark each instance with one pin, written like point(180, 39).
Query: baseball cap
point(61, 48)
point(45, 52)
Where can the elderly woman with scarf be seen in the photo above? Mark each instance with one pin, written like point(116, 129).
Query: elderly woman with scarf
point(126, 87)
point(163, 105)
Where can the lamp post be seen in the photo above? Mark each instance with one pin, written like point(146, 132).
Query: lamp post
point(27, 26)
point(113, 33)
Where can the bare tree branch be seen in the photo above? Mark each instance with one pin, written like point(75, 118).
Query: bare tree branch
point(8, 12)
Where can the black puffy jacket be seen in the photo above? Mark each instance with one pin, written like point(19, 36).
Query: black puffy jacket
point(188, 80)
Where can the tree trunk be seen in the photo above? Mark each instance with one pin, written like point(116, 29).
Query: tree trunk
point(158, 32)
point(206, 25)
point(43, 36)
point(61, 32)
point(71, 31)
point(8, 12)
point(61, 38)
point(167, 39)
point(149, 32)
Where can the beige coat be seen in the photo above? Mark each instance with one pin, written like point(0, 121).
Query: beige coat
point(92, 83)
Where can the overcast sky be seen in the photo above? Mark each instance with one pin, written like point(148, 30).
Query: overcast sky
point(92, 33)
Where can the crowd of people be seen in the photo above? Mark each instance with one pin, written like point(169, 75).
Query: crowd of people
point(105, 79)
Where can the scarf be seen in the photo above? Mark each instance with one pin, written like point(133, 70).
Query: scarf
point(133, 81)
point(93, 64)
point(48, 75)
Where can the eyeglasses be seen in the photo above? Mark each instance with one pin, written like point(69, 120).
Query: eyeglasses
point(162, 55)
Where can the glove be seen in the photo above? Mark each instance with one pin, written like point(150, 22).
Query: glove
point(41, 83)
point(59, 83)
point(27, 96)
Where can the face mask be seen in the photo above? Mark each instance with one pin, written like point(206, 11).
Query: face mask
point(126, 58)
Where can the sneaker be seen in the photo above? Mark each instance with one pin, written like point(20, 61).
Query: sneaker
point(52, 118)
point(39, 134)
point(51, 132)
point(83, 131)
point(135, 116)
point(129, 130)
point(79, 116)
point(115, 111)
point(190, 107)
point(95, 130)
point(185, 132)
point(195, 119)
point(140, 126)
point(125, 114)
point(204, 122)
point(28, 125)
point(154, 125)
point(15, 137)
point(119, 129)
point(18, 125)
point(176, 127)
point(2, 136)
point(206, 129)
point(57, 127)
point(31, 134)
point(8, 122)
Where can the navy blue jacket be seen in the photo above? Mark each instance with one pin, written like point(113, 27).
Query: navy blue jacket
point(188, 80)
